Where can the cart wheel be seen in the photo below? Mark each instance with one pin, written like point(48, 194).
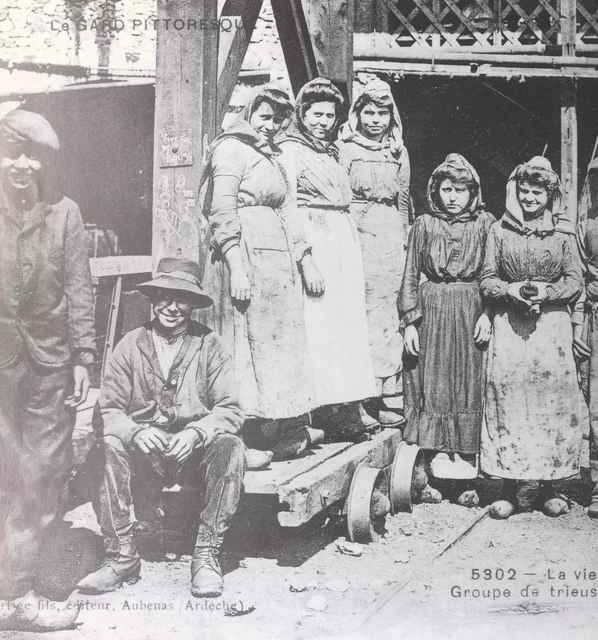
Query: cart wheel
point(359, 503)
point(406, 458)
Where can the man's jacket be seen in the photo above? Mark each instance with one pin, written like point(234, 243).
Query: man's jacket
point(199, 392)
point(46, 299)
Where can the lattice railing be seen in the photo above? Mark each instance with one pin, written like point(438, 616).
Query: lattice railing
point(487, 23)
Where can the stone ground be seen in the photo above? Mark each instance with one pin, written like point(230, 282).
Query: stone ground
point(298, 583)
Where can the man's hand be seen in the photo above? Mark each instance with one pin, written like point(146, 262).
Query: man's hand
point(182, 445)
point(581, 349)
point(80, 386)
point(312, 278)
point(151, 440)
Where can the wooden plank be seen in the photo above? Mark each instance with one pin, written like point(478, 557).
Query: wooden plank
point(233, 47)
point(279, 473)
point(379, 46)
point(568, 26)
point(295, 40)
point(329, 482)
point(112, 323)
point(331, 24)
point(569, 150)
point(185, 122)
point(111, 266)
point(482, 71)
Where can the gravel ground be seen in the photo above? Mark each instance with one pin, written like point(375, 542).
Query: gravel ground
point(303, 584)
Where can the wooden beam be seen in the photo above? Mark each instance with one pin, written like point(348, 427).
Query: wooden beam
point(569, 149)
point(329, 482)
point(568, 26)
point(471, 71)
point(331, 25)
point(185, 122)
point(233, 47)
point(295, 41)
point(383, 47)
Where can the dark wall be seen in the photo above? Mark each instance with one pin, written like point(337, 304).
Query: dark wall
point(494, 132)
point(106, 159)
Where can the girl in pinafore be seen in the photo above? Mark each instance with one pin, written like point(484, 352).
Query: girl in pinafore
point(534, 410)
point(252, 273)
point(446, 326)
point(372, 150)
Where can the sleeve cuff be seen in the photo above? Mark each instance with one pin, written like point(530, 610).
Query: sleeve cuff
point(229, 244)
point(84, 358)
point(410, 317)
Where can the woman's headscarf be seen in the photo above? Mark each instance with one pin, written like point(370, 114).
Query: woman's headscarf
point(454, 161)
point(298, 132)
point(243, 131)
point(514, 217)
point(379, 93)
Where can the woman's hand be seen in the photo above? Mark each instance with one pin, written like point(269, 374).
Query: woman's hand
point(581, 350)
point(411, 340)
point(483, 330)
point(542, 294)
point(514, 293)
point(240, 287)
point(312, 278)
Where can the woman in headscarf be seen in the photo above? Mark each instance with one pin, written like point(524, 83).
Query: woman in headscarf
point(445, 324)
point(335, 313)
point(585, 317)
point(372, 150)
point(252, 272)
point(534, 408)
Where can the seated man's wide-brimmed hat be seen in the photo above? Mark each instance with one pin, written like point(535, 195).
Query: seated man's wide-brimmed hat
point(177, 274)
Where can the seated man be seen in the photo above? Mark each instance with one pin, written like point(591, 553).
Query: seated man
point(168, 410)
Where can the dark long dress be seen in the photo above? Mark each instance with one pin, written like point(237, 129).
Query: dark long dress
point(443, 385)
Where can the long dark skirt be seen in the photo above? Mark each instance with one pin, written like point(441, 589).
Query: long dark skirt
point(443, 386)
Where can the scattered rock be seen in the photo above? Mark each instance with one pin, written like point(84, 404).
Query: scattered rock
point(469, 499)
point(338, 585)
point(298, 585)
point(555, 507)
point(316, 603)
point(431, 495)
point(380, 505)
point(501, 510)
point(406, 530)
point(402, 558)
point(350, 548)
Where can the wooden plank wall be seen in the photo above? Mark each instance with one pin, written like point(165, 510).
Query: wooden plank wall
point(185, 123)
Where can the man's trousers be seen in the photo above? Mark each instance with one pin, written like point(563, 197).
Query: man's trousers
point(35, 452)
point(130, 477)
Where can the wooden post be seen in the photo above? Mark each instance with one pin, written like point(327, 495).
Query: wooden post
point(331, 24)
point(243, 14)
point(568, 26)
point(569, 115)
point(185, 122)
point(569, 148)
point(295, 41)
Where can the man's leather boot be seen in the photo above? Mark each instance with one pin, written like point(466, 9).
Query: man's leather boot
point(116, 570)
point(206, 575)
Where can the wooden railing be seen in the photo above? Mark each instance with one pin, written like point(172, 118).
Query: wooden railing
point(509, 25)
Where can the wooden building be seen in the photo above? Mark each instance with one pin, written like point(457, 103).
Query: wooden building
point(498, 80)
